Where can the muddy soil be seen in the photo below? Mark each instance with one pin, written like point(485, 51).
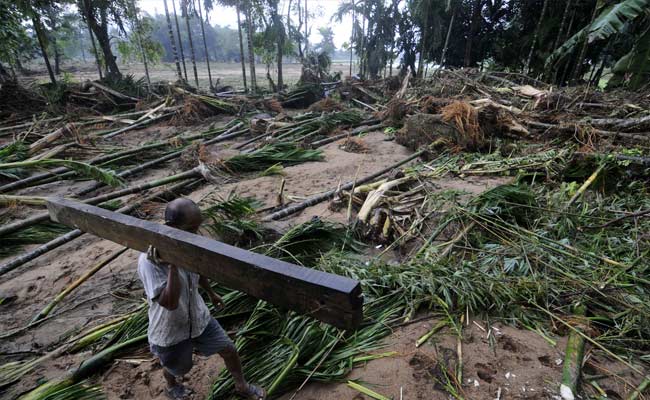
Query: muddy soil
point(513, 362)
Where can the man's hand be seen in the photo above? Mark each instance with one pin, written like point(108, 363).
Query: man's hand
point(217, 301)
point(152, 255)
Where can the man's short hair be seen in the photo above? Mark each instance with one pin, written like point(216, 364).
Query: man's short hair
point(181, 212)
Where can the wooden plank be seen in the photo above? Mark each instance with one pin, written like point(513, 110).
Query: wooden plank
point(327, 297)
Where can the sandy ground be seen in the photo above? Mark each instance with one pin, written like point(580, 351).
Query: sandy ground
point(518, 364)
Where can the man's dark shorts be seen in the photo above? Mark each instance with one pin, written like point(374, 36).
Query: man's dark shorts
point(177, 358)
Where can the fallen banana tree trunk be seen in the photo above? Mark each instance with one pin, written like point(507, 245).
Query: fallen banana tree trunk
point(329, 194)
point(61, 240)
point(50, 138)
point(376, 195)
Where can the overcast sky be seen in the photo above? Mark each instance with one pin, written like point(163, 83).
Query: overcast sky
point(227, 16)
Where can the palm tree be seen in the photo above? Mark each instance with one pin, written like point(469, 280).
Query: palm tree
point(27, 8)
point(180, 39)
point(186, 12)
point(138, 33)
point(249, 38)
point(451, 27)
point(241, 48)
point(172, 42)
point(205, 45)
point(538, 28)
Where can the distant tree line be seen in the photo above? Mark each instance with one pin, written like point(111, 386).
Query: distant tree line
point(562, 41)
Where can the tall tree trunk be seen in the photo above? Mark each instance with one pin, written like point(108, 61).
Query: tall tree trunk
point(362, 52)
point(443, 56)
point(585, 44)
point(57, 56)
point(354, 18)
point(180, 39)
point(280, 51)
point(186, 12)
point(81, 47)
point(474, 25)
point(279, 30)
point(423, 40)
point(4, 74)
point(535, 36)
point(562, 24)
point(42, 42)
point(92, 41)
point(301, 54)
point(241, 48)
point(564, 66)
point(100, 29)
point(138, 33)
point(172, 42)
point(52, 38)
point(391, 58)
point(249, 42)
point(306, 29)
point(205, 44)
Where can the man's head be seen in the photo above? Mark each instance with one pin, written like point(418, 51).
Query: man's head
point(183, 214)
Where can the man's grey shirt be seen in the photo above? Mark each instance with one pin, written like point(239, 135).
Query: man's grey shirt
point(168, 327)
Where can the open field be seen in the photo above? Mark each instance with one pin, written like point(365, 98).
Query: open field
point(229, 74)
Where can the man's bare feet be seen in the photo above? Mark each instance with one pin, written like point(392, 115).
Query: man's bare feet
point(178, 392)
point(252, 392)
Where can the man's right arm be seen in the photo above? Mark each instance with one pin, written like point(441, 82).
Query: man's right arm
point(170, 295)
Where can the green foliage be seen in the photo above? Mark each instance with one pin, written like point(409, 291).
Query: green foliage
point(81, 168)
point(12, 33)
point(611, 21)
point(306, 242)
point(129, 48)
point(633, 69)
point(326, 45)
point(127, 84)
point(40, 233)
point(285, 153)
point(232, 221)
point(15, 151)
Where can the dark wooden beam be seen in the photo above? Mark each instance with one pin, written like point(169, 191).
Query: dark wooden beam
point(330, 298)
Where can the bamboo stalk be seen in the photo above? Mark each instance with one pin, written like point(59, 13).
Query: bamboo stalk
point(457, 238)
point(366, 391)
point(137, 125)
point(101, 159)
point(573, 357)
point(47, 309)
point(48, 139)
point(643, 386)
point(329, 194)
point(585, 185)
point(7, 200)
point(355, 132)
point(42, 217)
point(436, 328)
point(160, 160)
point(113, 92)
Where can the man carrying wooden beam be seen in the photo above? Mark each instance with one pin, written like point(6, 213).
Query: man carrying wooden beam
point(179, 320)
